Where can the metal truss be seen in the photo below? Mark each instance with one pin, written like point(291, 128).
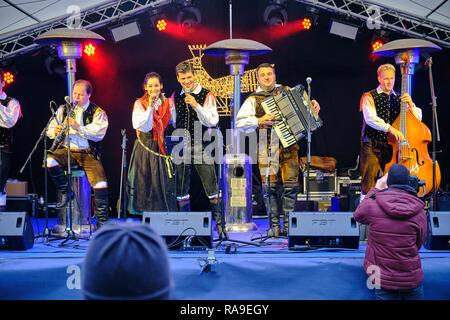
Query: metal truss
point(23, 41)
point(378, 17)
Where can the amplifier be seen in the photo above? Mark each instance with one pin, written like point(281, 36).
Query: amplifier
point(181, 229)
point(16, 231)
point(321, 182)
point(438, 231)
point(319, 229)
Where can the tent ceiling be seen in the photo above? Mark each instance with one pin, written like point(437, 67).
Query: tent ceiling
point(24, 16)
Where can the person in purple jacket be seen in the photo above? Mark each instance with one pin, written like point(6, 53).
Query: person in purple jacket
point(398, 224)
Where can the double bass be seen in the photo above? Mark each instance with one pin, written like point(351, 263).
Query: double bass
point(413, 151)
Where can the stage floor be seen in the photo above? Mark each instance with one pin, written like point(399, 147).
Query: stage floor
point(241, 271)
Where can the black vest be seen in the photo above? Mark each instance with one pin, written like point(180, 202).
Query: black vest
point(186, 115)
point(5, 133)
point(88, 115)
point(388, 109)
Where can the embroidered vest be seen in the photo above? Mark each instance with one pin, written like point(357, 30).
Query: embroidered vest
point(88, 116)
point(388, 109)
point(186, 115)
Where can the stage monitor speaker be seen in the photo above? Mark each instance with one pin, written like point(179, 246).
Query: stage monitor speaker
point(322, 230)
point(182, 230)
point(438, 231)
point(16, 231)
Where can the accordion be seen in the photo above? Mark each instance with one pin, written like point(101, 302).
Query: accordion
point(291, 108)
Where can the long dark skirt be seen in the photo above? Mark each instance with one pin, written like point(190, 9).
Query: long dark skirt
point(150, 186)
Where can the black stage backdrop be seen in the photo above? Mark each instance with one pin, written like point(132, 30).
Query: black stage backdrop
point(341, 70)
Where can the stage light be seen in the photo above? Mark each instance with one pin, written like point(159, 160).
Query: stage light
point(306, 23)
point(161, 25)
point(188, 18)
point(377, 44)
point(89, 49)
point(275, 15)
point(125, 31)
point(8, 77)
point(342, 29)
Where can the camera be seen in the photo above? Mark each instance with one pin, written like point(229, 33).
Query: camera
point(415, 183)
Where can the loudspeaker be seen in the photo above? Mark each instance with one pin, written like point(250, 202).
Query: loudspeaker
point(320, 229)
point(438, 232)
point(182, 229)
point(16, 231)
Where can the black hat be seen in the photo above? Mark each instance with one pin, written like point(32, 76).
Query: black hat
point(398, 175)
point(126, 261)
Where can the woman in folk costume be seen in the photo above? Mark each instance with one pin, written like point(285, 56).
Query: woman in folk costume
point(151, 177)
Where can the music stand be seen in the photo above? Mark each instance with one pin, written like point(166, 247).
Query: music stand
point(69, 43)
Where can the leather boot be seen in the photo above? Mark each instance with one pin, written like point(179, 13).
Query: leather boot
point(60, 180)
point(217, 216)
point(271, 202)
point(101, 206)
point(289, 199)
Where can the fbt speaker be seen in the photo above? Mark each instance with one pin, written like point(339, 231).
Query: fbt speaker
point(182, 229)
point(16, 231)
point(438, 231)
point(320, 229)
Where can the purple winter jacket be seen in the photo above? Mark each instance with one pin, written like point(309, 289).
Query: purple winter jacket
point(397, 227)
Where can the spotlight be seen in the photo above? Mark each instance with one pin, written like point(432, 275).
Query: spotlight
point(8, 77)
point(161, 25)
point(125, 31)
point(89, 49)
point(377, 44)
point(306, 24)
point(188, 18)
point(344, 29)
point(275, 15)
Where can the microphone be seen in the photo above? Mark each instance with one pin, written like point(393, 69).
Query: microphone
point(67, 99)
point(51, 108)
point(308, 80)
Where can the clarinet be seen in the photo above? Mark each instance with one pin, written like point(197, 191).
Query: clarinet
point(61, 136)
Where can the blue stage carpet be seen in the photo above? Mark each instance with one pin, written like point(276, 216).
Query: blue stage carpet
point(49, 271)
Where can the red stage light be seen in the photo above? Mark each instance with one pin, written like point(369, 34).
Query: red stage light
point(89, 49)
point(8, 77)
point(161, 24)
point(306, 23)
point(377, 44)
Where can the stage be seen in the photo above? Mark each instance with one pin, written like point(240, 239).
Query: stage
point(237, 271)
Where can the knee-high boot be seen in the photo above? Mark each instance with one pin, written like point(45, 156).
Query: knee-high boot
point(101, 206)
point(271, 202)
point(59, 178)
point(289, 198)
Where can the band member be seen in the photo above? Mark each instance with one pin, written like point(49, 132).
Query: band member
point(152, 175)
point(380, 108)
point(252, 116)
point(195, 106)
point(87, 127)
point(9, 114)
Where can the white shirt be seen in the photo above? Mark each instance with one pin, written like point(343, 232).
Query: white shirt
point(95, 131)
point(370, 113)
point(207, 114)
point(142, 117)
point(9, 114)
point(246, 119)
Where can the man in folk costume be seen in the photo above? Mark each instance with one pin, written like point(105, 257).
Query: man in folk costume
point(282, 161)
point(380, 108)
point(196, 107)
point(87, 127)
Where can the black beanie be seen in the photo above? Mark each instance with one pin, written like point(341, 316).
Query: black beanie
point(126, 261)
point(398, 175)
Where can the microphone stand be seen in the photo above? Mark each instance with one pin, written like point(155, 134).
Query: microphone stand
point(122, 182)
point(434, 132)
point(308, 157)
point(46, 233)
point(70, 233)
